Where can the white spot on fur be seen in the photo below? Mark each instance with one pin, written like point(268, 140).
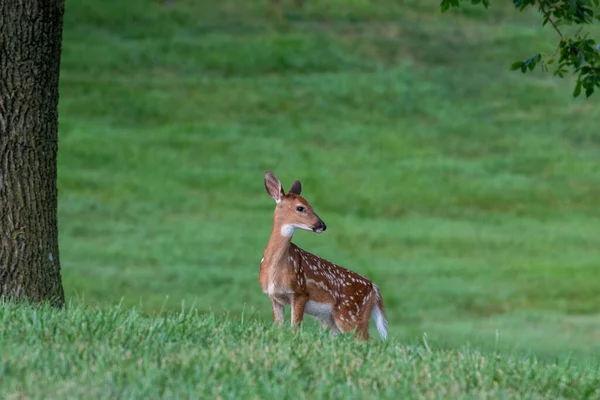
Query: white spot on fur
point(322, 286)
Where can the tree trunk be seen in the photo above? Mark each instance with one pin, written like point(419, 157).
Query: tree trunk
point(30, 45)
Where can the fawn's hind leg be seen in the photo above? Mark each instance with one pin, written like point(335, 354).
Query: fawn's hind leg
point(328, 323)
point(364, 315)
point(334, 330)
point(362, 333)
point(341, 324)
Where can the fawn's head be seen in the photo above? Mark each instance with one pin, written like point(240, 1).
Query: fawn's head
point(292, 210)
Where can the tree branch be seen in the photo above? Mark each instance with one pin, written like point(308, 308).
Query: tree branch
point(547, 14)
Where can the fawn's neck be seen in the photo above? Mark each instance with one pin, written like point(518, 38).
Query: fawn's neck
point(278, 246)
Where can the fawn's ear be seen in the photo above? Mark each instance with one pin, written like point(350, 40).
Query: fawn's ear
point(296, 188)
point(273, 186)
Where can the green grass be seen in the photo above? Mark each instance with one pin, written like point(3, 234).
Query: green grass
point(467, 192)
point(115, 352)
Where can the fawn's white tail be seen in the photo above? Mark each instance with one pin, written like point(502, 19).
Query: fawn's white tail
point(379, 315)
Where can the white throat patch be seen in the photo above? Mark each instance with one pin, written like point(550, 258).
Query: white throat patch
point(287, 230)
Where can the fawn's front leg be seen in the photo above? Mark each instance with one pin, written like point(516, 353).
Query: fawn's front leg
point(298, 304)
point(278, 315)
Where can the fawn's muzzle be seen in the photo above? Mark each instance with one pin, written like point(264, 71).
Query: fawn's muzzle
point(320, 227)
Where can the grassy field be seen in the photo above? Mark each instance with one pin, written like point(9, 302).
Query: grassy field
point(467, 192)
point(117, 353)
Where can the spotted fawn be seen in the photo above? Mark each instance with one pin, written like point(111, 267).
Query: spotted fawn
point(341, 299)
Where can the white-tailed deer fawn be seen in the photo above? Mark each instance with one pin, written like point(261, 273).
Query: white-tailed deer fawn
point(341, 299)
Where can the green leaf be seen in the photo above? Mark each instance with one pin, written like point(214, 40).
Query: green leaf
point(446, 4)
point(577, 90)
point(577, 54)
point(516, 65)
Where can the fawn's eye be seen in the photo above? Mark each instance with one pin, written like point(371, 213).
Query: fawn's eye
point(300, 209)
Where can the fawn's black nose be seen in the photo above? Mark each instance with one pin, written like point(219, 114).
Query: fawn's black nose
point(320, 227)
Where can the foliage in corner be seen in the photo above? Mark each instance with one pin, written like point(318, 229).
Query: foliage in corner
point(578, 53)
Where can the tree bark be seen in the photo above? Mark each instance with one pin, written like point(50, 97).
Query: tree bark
point(30, 47)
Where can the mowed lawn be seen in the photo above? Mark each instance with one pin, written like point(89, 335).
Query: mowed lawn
point(467, 192)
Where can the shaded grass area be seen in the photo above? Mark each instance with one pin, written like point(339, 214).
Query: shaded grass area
point(467, 192)
point(111, 352)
